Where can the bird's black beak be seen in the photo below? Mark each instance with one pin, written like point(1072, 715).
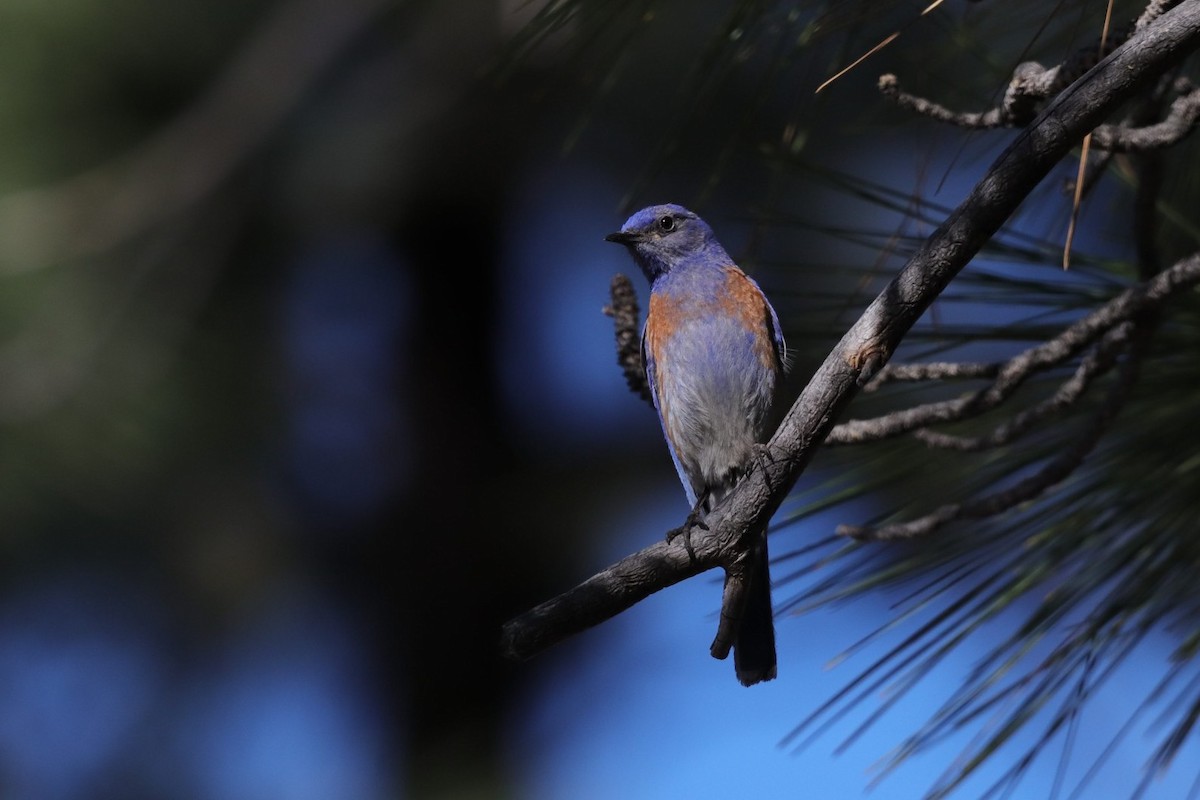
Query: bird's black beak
point(623, 237)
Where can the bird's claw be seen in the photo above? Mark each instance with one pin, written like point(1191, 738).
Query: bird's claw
point(764, 456)
point(685, 530)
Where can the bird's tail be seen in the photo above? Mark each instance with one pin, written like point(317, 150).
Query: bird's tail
point(754, 648)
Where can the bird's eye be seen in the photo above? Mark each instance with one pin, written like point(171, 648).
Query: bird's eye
point(666, 223)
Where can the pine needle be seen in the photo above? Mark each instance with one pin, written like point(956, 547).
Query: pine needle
point(1083, 157)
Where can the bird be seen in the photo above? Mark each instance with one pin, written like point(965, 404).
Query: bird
point(714, 357)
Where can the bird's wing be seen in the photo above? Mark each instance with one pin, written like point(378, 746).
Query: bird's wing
point(653, 382)
point(742, 285)
point(781, 351)
point(771, 320)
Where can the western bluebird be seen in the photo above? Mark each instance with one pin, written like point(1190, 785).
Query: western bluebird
point(714, 356)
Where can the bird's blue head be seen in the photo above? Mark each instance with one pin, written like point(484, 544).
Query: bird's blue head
point(663, 237)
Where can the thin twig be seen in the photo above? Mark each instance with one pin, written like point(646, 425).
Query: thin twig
point(932, 371)
point(1016, 370)
point(1031, 84)
point(1056, 471)
point(734, 595)
point(1154, 9)
point(889, 87)
point(1180, 121)
point(1098, 362)
point(1144, 114)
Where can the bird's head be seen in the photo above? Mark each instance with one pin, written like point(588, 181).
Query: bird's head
point(662, 237)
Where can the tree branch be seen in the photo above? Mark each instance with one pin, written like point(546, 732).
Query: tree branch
point(1099, 361)
point(889, 87)
point(870, 341)
point(733, 605)
point(1154, 9)
point(1031, 85)
point(1014, 372)
point(1145, 111)
point(1180, 121)
point(932, 371)
point(1054, 472)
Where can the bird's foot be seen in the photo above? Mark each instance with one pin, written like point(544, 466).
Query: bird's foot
point(694, 520)
point(764, 456)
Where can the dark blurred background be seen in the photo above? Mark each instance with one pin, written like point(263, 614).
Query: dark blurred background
point(305, 387)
